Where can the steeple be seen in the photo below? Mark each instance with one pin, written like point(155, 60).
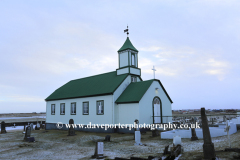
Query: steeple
point(128, 59)
point(127, 45)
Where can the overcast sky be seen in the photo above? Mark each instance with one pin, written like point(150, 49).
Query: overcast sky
point(194, 46)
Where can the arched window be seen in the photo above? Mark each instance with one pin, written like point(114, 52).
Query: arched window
point(133, 60)
point(157, 115)
point(156, 101)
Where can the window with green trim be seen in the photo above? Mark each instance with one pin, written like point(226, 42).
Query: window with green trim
point(100, 107)
point(73, 108)
point(85, 108)
point(133, 60)
point(62, 109)
point(53, 109)
point(134, 79)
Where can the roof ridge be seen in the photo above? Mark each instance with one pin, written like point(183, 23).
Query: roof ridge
point(101, 84)
point(92, 76)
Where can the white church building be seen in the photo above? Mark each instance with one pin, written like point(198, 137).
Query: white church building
point(115, 97)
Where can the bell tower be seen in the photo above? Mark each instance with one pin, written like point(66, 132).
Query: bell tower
point(128, 59)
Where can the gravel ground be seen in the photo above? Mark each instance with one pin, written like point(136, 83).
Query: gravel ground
point(55, 144)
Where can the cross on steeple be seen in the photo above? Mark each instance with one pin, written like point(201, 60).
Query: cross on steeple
point(126, 30)
point(154, 72)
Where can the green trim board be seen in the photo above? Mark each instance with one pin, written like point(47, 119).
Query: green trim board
point(137, 60)
point(127, 45)
point(118, 61)
point(135, 91)
point(128, 102)
point(140, 77)
point(102, 84)
point(96, 95)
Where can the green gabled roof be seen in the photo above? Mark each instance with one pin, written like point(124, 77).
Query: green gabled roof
point(127, 45)
point(134, 92)
point(102, 84)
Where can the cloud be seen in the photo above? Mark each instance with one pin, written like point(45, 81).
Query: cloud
point(59, 65)
point(70, 47)
point(216, 68)
point(214, 63)
point(150, 49)
point(214, 72)
point(183, 61)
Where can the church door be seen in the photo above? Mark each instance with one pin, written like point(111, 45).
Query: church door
point(156, 110)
